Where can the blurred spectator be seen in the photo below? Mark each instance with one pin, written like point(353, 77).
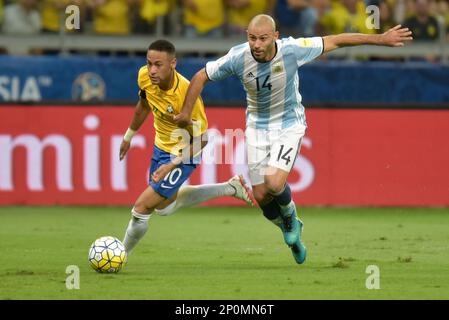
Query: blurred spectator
point(1, 12)
point(53, 12)
point(386, 10)
point(203, 18)
point(150, 11)
point(22, 17)
point(423, 25)
point(442, 8)
point(402, 9)
point(240, 13)
point(346, 16)
point(296, 18)
point(399, 10)
point(322, 7)
point(387, 13)
point(111, 16)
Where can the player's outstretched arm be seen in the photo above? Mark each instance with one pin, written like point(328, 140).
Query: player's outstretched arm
point(395, 37)
point(197, 84)
point(140, 114)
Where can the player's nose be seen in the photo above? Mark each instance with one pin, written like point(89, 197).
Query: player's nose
point(153, 71)
point(258, 44)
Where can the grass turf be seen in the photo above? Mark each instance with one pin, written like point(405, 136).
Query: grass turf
point(228, 253)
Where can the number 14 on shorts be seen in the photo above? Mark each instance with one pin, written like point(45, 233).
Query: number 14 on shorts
point(286, 156)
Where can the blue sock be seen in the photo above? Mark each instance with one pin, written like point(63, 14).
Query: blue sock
point(271, 210)
point(284, 197)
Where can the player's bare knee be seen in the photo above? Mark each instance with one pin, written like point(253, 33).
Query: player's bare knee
point(166, 209)
point(261, 195)
point(274, 185)
point(141, 208)
point(258, 194)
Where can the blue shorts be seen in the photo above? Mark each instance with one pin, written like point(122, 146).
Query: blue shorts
point(174, 179)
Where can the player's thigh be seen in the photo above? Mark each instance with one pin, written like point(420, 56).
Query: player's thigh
point(164, 204)
point(285, 147)
point(258, 153)
point(163, 193)
point(148, 200)
point(261, 194)
point(275, 179)
point(169, 186)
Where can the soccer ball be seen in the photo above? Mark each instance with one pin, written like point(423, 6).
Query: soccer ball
point(107, 254)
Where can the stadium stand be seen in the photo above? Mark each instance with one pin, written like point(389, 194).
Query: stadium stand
point(136, 23)
point(125, 25)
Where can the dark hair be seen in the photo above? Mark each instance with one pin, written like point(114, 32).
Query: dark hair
point(164, 46)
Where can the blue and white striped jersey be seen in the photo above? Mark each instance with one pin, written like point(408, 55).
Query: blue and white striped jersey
point(272, 87)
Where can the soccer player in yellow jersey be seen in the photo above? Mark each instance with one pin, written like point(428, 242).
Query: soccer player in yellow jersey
point(162, 90)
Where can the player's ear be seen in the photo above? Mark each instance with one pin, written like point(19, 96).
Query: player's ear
point(173, 63)
point(276, 35)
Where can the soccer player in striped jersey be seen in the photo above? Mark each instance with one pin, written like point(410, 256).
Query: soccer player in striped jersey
point(267, 67)
point(162, 90)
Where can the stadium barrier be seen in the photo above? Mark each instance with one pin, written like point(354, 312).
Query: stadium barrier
point(349, 157)
point(84, 79)
point(136, 44)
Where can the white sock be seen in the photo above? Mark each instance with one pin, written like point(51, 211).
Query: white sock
point(278, 221)
point(137, 227)
point(191, 195)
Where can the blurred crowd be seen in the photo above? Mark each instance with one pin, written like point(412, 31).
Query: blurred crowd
point(221, 18)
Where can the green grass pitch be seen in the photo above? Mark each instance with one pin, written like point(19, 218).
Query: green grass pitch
point(228, 253)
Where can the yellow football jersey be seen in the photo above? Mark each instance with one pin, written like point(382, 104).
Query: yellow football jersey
point(112, 17)
point(164, 105)
point(209, 14)
point(50, 14)
point(242, 16)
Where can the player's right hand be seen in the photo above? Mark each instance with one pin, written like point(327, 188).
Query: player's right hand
point(182, 120)
point(124, 147)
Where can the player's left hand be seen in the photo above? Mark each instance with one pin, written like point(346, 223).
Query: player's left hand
point(161, 172)
point(396, 36)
